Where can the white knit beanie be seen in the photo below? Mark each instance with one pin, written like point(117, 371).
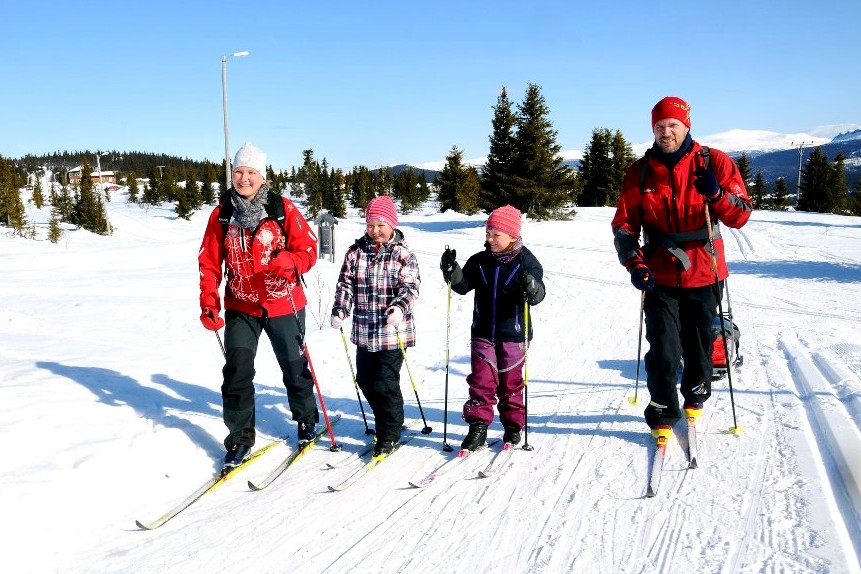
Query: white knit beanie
point(250, 156)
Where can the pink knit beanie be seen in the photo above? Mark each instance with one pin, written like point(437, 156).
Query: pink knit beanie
point(383, 208)
point(505, 219)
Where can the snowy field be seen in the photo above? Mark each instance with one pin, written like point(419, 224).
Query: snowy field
point(110, 412)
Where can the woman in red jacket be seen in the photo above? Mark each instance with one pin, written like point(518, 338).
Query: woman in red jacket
point(265, 245)
point(666, 195)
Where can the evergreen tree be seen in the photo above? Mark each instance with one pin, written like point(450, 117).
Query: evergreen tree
point(405, 186)
point(90, 211)
point(498, 170)
point(596, 171)
point(208, 192)
point(55, 232)
point(837, 188)
point(309, 177)
point(757, 192)
point(38, 198)
point(361, 187)
point(12, 211)
point(780, 195)
point(192, 191)
point(457, 185)
point(150, 192)
point(815, 179)
point(542, 183)
point(743, 164)
point(132, 182)
point(853, 202)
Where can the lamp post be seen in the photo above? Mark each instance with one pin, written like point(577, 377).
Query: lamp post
point(800, 155)
point(224, 104)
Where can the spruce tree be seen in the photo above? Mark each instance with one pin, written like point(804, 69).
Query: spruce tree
point(12, 211)
point(457, 185)
point(498, 170)
point(780, 195)
point(38, 198)
point(815, 179)
point(757, 191)
point(132, 182)
point(541, 184)
point(192, 191)
point(596, 171)
point(837, 188)
point(55, 231)
point(743, 164)
point(207, 187)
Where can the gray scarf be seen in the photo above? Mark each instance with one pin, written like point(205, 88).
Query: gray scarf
point(249, 213)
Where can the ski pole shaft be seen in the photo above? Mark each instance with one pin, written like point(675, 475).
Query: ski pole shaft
point(526, 445)
point(220, 344)
point(368, 430)
point(303, 348)
point(445, 446)
point(427, 429)
point(735, 428)
point(634, 399)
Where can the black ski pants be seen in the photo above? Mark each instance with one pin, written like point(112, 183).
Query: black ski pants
point(241, 337)
point(379, 376)
point(678, 326)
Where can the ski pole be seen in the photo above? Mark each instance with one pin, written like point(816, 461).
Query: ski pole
point(633, 400)
point(739, 360)
point(427, 429)
point(445, 446)
point(220, 344)
point(526, 445)
point(735, 429)
point(368, 430)
point(303, 347)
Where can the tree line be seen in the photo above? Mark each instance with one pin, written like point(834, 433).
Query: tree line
point(523, 169)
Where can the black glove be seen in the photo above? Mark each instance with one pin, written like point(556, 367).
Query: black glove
point(529, 284)
point(707, 184)
point(447, 263)
point(642, 278)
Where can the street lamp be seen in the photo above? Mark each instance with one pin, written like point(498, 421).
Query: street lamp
point(224, 103)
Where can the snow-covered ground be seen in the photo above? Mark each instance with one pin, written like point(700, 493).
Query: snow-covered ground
point(110, 412)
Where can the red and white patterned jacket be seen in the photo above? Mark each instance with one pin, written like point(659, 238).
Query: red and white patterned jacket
point(251, 287)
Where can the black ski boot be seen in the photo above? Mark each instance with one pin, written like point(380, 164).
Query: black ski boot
point(307, 433)
point(476, 436)
point(236, 454)
point(383, 448)
point(512, 435)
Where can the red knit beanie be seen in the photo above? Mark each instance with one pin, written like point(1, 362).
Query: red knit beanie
point(505, 219)
point(383, 208)
point(672, 107)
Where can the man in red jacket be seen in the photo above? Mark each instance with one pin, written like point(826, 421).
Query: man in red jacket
point(667, 195)
point(265, 245)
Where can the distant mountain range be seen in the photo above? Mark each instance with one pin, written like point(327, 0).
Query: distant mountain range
point(772, 153)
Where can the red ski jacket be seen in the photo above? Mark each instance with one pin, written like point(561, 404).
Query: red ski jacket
point(251, 287)
point(665, 205)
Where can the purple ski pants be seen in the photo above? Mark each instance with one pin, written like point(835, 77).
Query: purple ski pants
point(497, 373)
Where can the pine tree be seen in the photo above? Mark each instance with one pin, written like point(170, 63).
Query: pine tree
point(541, 184)
point(743, 164)
point(498, 170)
point(853, 202)
point(89, 210)
point(361, 185)
point(207, 187)
point(132, 182)
point(55, 232)
point(815, 179)
point(780, 195)
point(457, 185)
point(38, 198)
point(192, 191)
point(757, 191)
point(12, 211)
point(837, 188)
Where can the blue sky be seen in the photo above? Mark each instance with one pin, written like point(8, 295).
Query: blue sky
point(375, 83)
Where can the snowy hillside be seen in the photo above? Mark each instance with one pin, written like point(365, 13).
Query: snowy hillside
point(110, 412)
